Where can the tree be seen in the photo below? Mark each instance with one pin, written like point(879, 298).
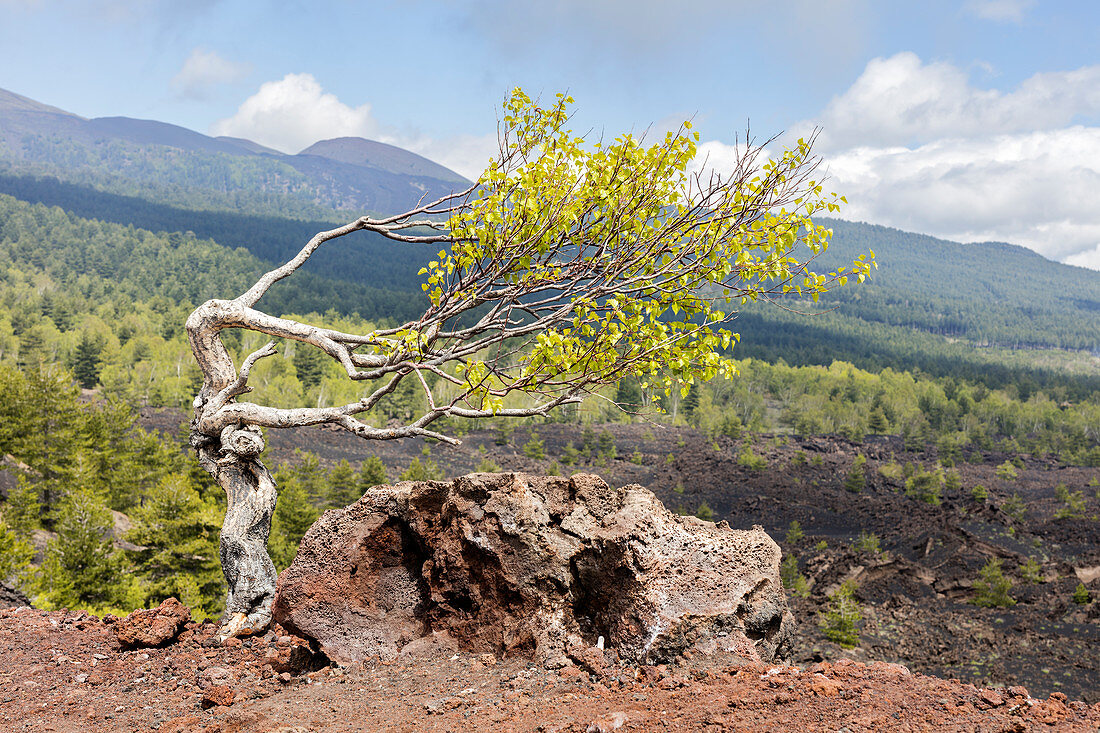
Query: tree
point(81, 569)
point(992, 588)
point(564, 268)
point(87, 361)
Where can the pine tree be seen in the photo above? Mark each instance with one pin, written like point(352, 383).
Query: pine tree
point(82, 569)
point(177, 536)
point(426, 471)
point(23, 508)
point(87, 362)
point(294, 514)
point(856, 478)
point(342, 486)
point(372, 472)
point(15, 552)
point(992, 587)
point(309, 364)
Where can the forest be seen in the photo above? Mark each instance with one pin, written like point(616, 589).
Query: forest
point(96, 285)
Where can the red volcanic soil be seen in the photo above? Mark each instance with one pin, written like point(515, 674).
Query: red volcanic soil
point(66, 671)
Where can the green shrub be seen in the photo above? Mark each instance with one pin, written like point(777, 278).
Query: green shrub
point(1007, 472)
point(1073, 503)
point(979, 493)
point(799, 458)
point(534, 448)
point(487, 465)
point(751, 460)
point(892, 471)
point(856, 478)
point(839, 621)
point(1014, 507)
point(794, 533)
point(991, 590)
point(426, 471)
point(1031, 571)
point(704, 512)
point(821, 546)
point(793, 580)
point(869, 543)
point(926, 485)
point(570, 454)
point(637, 458)
point(1081, 595)
point(588, 439)
point(606, 444)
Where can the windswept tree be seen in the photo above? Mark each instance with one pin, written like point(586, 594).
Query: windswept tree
point(564, 268)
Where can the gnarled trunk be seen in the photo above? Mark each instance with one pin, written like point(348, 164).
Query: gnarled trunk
point(230, 457)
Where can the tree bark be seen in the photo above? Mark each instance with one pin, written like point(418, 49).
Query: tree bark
point(230, 457)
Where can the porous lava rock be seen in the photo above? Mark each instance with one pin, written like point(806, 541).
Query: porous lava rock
point(514, 563)
point(12, 597)
point(149, 627)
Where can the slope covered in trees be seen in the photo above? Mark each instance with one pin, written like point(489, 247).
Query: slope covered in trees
point(185, 168)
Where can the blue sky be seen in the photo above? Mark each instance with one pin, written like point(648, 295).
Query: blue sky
point(970, 119)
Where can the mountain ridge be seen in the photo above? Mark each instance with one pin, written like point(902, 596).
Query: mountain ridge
point(124, 154)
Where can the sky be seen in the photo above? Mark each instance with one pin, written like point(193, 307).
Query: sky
point(972, 120)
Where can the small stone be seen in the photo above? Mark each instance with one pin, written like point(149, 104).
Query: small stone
point(824, 687)
point(233, 642)
point(285, 678)
point(614, 721)
point(1018, 691)
point(992, 698)
point(221, 695)
point(214, 677)
point(487, 659)
point(153, 627)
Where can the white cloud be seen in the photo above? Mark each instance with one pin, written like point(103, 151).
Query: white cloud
point(916, 146)
point(293, 113)
point(204, 70)
point(902, 101)
point(1036, 189)
point(1004, 11)
point(1089, 258)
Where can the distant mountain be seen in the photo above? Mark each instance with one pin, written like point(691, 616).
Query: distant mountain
point(173, 165)
point(389, 158)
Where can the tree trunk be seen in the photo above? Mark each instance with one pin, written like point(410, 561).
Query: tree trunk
point(230, 457)
point(249, 572)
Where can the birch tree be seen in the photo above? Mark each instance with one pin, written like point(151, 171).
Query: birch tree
point(565, 267)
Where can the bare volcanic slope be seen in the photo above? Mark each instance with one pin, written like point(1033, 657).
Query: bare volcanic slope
point(66, 671)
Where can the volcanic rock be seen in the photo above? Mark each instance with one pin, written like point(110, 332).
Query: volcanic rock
point(154, 626)
point(513, 563)
point(12, 597)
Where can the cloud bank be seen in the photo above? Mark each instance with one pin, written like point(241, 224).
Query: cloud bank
point(917, 146)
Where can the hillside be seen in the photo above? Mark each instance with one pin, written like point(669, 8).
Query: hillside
point(174, 165)
point(928, 304)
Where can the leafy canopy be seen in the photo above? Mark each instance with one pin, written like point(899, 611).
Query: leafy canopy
point(630, 262)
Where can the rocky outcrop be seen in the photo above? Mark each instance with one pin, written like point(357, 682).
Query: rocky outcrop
point(511, 563)
point(12, 597)
point(154, 626)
